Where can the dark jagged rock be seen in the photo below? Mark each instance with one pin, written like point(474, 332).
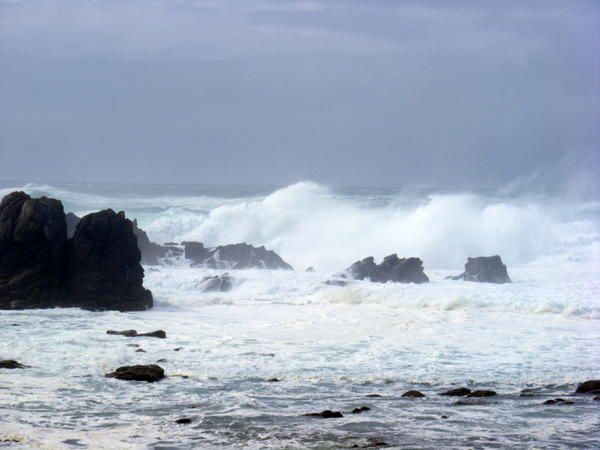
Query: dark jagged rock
point(559, 401)
point(150, 373)
point(133, 333)
point(458, 392)
point(233, 256)
point(327, 414)
point(392, 268)
point(217, 283)
point(184, 421)
point(11, 364)
point(151, 251)
point(33, 235)
point(485, 269)
point(482, 393)
point(140, 350)
point(413, 394)
point(589, 387)
point(362, 409)
point(72, 221)
point(104, 271)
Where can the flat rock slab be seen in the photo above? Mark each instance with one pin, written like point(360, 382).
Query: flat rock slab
point(133, 333)
point(150, 373)
point(327, 414)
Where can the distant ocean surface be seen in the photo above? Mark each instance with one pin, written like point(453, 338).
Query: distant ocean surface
point(330, 346)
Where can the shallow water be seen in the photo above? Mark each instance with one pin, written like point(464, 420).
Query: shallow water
point(330, 346)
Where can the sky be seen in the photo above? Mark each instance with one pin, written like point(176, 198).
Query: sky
point(461, 94)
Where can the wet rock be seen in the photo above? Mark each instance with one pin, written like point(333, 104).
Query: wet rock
point(374, 395)
point(560, 401)
point(233, 256)
point(133, 333)
point(362, 409)
point(11, 364)
point(140, 350)
point(150, 373)
point(217, 283)
point(589, 387)
point(310, 269)
point(132, 345)
point(151, 251)
point(184, 421)
point(327, 414)
point(485, 269)
point(481, 393)
point(162, 360)
point(104, 270)
point(413, 394)
point(458, 392)
point(372, 443)
point(392, 268)
point(273, 380)
point(444, 417)
point(33, 251)
point(177, 349)
point(528, 393)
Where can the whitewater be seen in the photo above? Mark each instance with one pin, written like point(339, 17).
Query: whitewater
point(330, 347)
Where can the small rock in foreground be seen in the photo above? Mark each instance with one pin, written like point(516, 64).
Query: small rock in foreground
point(133, 333)
point(150, 373)
point(11, 364)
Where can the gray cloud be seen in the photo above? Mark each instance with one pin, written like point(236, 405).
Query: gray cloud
point(344, 92)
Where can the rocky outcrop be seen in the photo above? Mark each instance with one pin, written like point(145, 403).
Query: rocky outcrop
point(233, 257)
point(217, 283)
point(151, 251)
point(413, 394)
point(484, 269)
point(589, 387)
point(392, 268)
point(150, 373)
point(104, 271)
point(481, 393)
point(33, 235)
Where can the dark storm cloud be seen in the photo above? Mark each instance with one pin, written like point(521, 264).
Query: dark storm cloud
point(447, 94)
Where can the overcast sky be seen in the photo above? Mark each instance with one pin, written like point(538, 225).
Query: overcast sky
point(384, 93)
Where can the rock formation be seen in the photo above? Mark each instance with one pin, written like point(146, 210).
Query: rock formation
point(104, 270)
point(392, 268)
point(233, 256)
point(485, 269)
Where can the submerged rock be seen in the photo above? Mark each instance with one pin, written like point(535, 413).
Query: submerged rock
point(327, 414)
point(33, 236)
point(392, 268)
point(560, 401)
point(362, 409)
point(482, 393)
point(413, 394)
point(458, 392)
point(589, 387)
point(133, 333)
point(11, 364)
point(485, 269)
point(150, 373)
point(104, 271)
point(341, 282)
point(184, 421)
point(233, 256)
point(217, 283)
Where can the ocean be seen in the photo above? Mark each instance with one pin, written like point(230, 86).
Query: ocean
point(329, 347)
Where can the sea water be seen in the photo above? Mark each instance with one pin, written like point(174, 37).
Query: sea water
point(330, 347)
